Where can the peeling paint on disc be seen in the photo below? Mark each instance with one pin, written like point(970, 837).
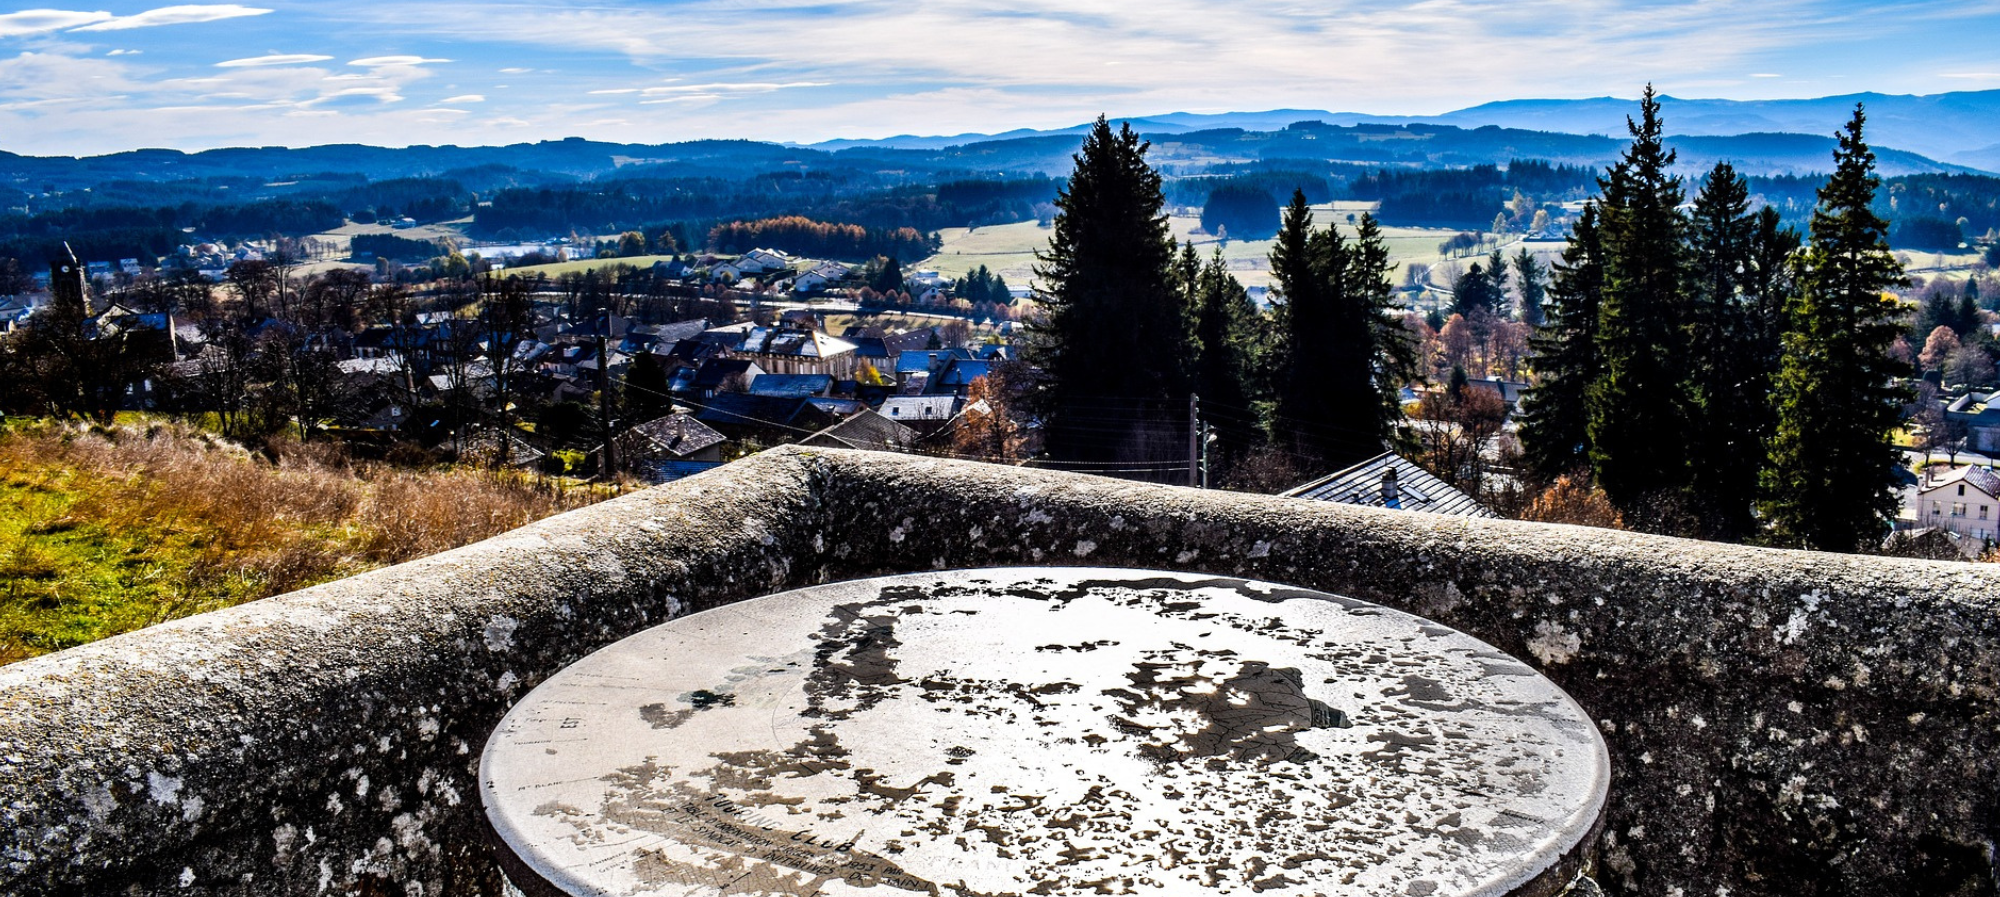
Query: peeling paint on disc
point(1044, 731)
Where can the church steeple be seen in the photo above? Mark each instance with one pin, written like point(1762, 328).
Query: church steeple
point(67, 285)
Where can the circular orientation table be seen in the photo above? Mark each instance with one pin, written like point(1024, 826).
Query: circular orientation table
point(1045, 731)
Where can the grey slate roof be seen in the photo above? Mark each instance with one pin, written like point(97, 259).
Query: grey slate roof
point(866, 430)
point(673, 436)
point(1980, 478)
point(1415, 488)
point(791, 386)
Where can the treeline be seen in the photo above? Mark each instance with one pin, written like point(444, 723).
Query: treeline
point(1926, 212)
point(1302, 175)
point(391, 246)
point(821, 239)
point(146, 233)
point(1466, 198)
point(1242, 211)
point(428, 200)
point(976, 203)
point(700, 204)
point(1712, 371)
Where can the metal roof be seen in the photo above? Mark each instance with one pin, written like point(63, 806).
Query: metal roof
point(791, 385)
point(675, 436)
point(1980, 478)
point(1412, 489)
point(866, 430)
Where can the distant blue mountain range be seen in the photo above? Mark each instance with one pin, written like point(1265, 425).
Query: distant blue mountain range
point(1961, 129)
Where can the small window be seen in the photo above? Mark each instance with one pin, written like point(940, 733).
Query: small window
point(1982, 512)
point(1958, 509)
point(1961, 488)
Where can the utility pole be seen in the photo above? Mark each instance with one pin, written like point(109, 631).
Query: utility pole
point(609, 467)
point(1194, 440)
point(1207, 439)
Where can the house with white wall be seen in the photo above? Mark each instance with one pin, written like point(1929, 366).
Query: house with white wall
point(1965, 501)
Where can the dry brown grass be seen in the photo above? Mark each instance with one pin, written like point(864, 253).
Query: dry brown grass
point(109, 529)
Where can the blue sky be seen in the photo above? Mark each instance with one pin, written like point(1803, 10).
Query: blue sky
point(103, 77)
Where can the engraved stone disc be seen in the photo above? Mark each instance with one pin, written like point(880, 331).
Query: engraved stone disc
point(1059, 731)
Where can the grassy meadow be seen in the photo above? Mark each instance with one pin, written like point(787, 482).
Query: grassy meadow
point(1009, 249)
point(104, 530)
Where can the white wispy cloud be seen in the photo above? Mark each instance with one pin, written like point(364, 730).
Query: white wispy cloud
point(379, 61)
point(277, 59)
point(42, 21)
point(379, 94)
point(175, 15)
point(737, 88)
point(124, 52)
point(464, 98)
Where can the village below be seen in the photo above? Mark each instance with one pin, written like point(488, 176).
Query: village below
point(242, 409)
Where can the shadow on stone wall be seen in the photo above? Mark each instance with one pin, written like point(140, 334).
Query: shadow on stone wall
point(1780, 722)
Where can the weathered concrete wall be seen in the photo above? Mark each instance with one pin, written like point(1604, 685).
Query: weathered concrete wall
point(1781, 722)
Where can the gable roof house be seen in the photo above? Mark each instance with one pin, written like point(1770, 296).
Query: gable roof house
point(956, 376)
point(764, 260)
point(1389, 480)
point(924, 414)
point(1965, 501)
point(715, 374)
point(668, 448)
point(797, 350)
point(915, 367)
point(819, 277)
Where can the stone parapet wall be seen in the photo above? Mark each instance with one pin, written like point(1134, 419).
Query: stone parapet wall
point(1780, 722)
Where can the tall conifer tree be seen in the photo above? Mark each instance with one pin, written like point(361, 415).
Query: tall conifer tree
point(1554, 415)
point(1342, 351)
point(1831, 480)
point(1112, 345)
point(1532, 277)
point(1725, 451)
point(1224, 333)
point(1639, 405)
point(1387, 346)
point(1304, 261)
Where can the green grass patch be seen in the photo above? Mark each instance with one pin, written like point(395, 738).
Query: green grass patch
point(67, 579)
point(105, 530)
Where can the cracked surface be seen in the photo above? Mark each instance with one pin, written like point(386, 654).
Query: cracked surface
point(921, 733)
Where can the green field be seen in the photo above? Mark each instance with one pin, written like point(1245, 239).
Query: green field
point(1009, 249)
point(560, 268)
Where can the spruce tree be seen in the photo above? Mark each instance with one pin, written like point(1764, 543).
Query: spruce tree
point(1112, 341)
point(1532, 276)
point(1224, 337)
point(1730, 391)
point(1832, 475)
point(1390, 348)
point(1341, 349)
point(1554, 415)
point(1308, 414)
point(1639, 404)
